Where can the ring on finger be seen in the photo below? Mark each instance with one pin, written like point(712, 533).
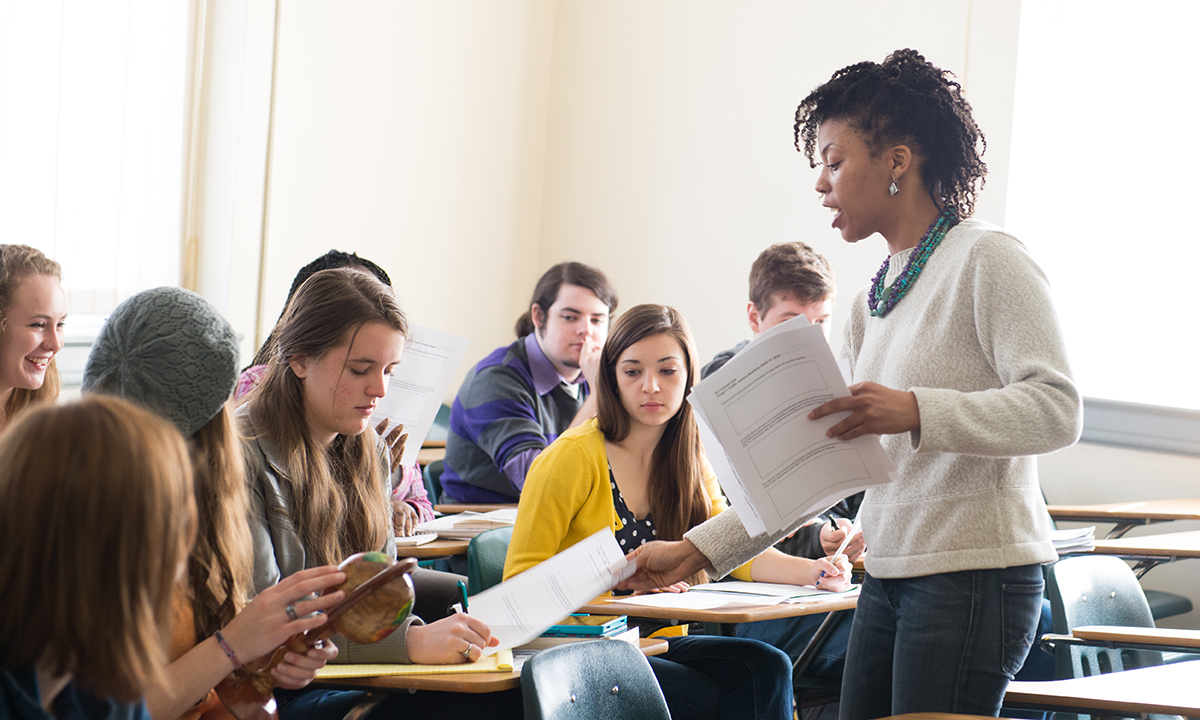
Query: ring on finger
point(291, 611)
point(467, 653)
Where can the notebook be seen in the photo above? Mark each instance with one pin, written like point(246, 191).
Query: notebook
point(501, 661)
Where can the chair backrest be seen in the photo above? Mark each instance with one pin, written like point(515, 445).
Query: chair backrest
point(485, 559)
point(1096, 590)
point(591, 679)
point(432, 475)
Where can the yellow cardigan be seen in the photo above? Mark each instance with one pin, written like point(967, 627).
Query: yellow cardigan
point(567, 497)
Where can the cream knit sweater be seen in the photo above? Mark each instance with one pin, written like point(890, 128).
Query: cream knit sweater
point(976, 340)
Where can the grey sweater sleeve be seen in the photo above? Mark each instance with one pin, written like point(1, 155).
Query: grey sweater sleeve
point(725, 542)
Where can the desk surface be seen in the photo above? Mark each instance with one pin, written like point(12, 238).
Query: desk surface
point(436, 548)
point(751, 613)
point(1146, 510)
point(1167, 546)
point(1145, 636)
point(1170, 689)
point(427, 455)
point(464, 682)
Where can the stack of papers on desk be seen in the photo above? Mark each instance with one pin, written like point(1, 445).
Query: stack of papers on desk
point(1077, 540)
point(464, 526)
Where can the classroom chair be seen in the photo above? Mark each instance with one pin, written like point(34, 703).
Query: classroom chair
point(591, 679)
point(1096, 590)
point(485, 558)
point(441, 425)
point(432, 475)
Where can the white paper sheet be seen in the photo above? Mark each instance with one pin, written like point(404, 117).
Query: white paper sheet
point(419, 383)
point(522, 607)
point(697, 601)
point(756, 407)
point(760, 589)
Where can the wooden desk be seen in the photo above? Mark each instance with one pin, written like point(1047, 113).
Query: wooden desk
point(750, 613)
point(463, 682)
point(933, 716)
point(1126, 515)
point(437, 548)
point(427, 455)
point(1152, 550)
point(1169, 689)
point(1125, 636)
point(452, 508)
point(430, 443)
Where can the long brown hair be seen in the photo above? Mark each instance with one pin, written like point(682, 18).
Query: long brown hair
point(18, 263)
point(221, 564)
point(677, 498)
point(96, 518)
point(341, 506)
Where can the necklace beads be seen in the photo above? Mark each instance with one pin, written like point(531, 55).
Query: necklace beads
point(882, 299)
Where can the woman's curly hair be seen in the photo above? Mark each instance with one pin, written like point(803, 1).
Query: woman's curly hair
point(907, 100)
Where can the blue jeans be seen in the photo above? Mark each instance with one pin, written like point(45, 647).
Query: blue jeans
point(703, 676)
point(941, 643)
point(792, 634)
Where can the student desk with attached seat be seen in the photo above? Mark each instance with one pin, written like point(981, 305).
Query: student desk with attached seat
point(462, 682)
point(1151, 550)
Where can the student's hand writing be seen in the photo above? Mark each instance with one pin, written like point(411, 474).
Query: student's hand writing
point(447, 641)
point(874, 410)
point(832, 573)
point(297, 671)
point(395, 441)
point(831, 539)
point(404, 517)
point(661, 563)
point(264, 624)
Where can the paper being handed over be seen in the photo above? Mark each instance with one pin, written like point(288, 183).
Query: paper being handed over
point(774, 463)
point(524, 606)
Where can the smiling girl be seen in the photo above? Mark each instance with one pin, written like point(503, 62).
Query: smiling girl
point(32, 311)
point(639, 469)
point(319, 483)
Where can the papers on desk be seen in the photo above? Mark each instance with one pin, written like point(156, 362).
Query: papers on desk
point(418, 539)
point(524, 606)
point(419, 383)
point(1077, 540)
point(711, 596)
point(464, 526)
point(774, 463)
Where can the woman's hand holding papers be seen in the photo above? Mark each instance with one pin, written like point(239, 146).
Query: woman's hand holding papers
point(874, 410)
point(661, 563)
point(455, 639)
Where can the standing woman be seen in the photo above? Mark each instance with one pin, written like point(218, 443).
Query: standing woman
point(96, 517)
point(32, 310)
point(319, 482)
point(958, 362)
point(638, 468)
point(959, 365)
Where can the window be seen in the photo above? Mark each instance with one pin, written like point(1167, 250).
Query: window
point(1103, 174)
point(93, 101)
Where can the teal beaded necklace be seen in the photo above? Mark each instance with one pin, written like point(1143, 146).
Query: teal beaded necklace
point(882, 299)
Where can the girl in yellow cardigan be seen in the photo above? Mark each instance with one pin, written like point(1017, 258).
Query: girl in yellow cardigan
point(639, 469)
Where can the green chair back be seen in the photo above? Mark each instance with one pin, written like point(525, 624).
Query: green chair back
point(485, 559)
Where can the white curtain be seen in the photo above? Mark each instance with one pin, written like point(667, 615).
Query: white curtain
point(93, 140)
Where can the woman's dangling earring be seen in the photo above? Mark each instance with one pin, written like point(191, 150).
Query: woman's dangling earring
point(892, 189)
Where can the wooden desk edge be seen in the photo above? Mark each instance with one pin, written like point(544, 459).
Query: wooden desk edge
point(462, 682)
point(599, 606)
point(453, 508)
point(1145, 636)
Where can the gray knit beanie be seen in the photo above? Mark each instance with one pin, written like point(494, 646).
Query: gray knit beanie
point(170, 350)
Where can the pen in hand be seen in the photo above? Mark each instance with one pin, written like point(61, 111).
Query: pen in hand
point(845, 541)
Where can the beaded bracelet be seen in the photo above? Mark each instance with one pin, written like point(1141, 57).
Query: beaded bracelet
point(228, 649)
